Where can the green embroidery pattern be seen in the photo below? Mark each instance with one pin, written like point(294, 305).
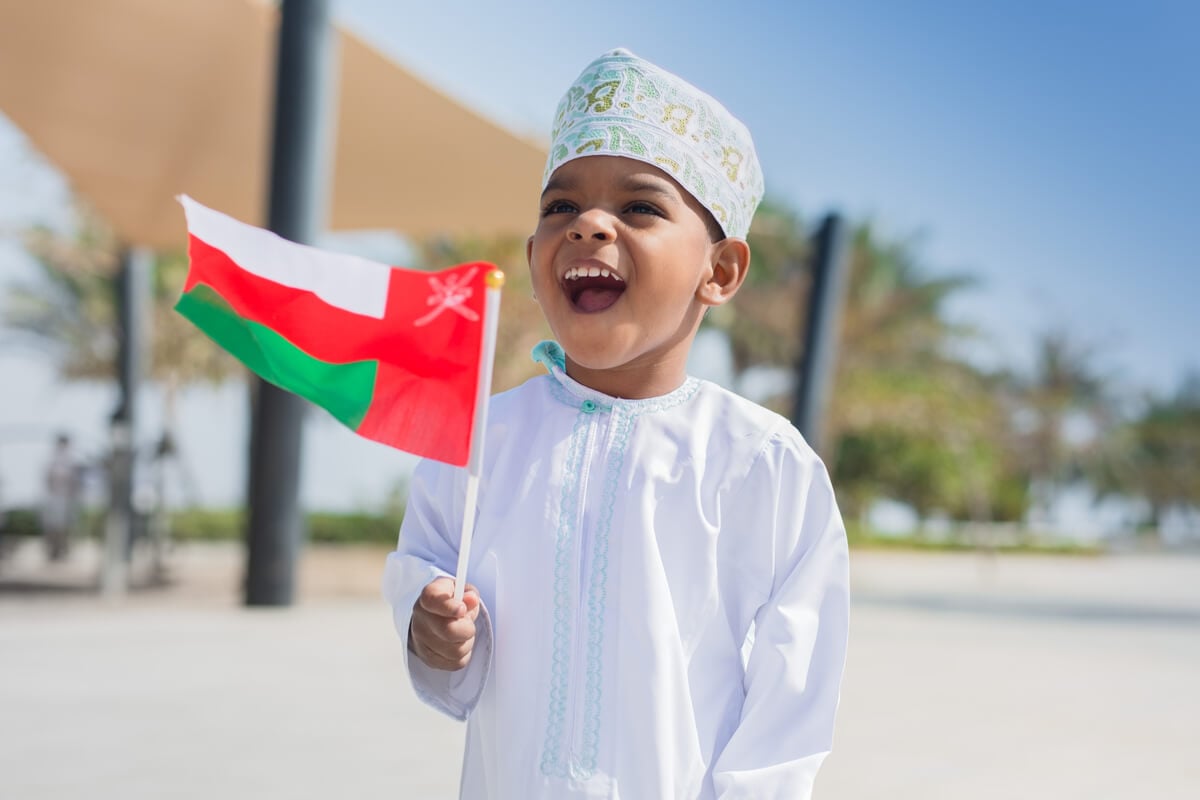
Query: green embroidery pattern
point(623, 105)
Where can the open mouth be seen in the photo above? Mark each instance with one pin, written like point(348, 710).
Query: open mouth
point(592, 289)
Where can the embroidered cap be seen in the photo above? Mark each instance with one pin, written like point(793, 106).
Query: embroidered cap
point(622, 105)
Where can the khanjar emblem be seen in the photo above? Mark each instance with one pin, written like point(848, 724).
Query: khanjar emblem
point(450, 295)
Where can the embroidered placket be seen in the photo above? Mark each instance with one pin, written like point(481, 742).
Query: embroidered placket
point(573, 724)
point(573, 718)
point(554, 763)
point(580, 684)
point(621, 420)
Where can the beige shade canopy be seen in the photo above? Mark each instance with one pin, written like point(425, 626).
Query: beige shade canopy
point(137, 101)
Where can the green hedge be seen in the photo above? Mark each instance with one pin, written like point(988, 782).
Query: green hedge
point(215, 525)
point(861, 536)
point(202, 525)
point(207, 525)
point(21, 522)
point(327, 527)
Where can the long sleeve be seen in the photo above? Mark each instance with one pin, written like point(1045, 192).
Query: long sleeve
point(794, 669)
point(428, 549)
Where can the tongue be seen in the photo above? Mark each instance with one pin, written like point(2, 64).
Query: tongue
point(596, 299)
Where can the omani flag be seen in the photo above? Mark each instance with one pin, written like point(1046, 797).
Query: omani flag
point(392, 353)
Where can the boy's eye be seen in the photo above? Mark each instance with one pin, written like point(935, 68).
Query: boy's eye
point(557, 207)
point(643, 208)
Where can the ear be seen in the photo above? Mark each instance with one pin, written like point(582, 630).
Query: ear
point(730, 262)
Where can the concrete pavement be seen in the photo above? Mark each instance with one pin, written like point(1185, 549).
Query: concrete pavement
point(969, 677)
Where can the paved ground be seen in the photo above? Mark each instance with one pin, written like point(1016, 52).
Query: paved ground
point(969, 678)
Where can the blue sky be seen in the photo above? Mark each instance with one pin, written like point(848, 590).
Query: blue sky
point(1049, 148)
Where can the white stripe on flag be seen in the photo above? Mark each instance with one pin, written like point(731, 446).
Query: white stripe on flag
point(348, 282)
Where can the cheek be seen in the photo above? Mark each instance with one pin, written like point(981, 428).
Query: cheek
point(541, 275)
point(539, 254)
point(540, 271)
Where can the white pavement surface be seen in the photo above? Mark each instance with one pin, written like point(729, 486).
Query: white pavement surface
point(969, 678)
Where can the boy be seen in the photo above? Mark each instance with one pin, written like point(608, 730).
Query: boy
point(660, 592)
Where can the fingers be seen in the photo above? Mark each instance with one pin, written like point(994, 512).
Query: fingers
point(438, 598)
point(442, 631)
point(438, 630)
point(442, 655)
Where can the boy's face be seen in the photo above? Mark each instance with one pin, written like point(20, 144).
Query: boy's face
point(627, 333)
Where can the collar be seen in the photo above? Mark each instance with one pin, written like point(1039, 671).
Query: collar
point(550, 355)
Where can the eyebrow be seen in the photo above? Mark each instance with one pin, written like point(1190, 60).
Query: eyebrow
point(651, 185)
point(558, 184)
point(632, 184)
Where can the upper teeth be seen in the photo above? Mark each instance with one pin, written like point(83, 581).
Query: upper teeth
point(590, 272)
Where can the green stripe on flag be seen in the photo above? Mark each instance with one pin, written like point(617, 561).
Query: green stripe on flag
point(344, 390)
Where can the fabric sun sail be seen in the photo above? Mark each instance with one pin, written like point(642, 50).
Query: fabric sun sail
point(392, 353)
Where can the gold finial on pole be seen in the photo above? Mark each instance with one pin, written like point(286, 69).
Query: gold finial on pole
point(494, 279)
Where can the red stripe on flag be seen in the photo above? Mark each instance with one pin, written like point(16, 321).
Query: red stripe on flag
point(424, 399)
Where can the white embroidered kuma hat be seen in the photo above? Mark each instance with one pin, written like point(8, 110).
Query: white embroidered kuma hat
point(622, 105)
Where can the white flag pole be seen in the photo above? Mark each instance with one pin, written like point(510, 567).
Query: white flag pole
point(491, 319)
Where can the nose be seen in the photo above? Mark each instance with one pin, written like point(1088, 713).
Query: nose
point(592, 224)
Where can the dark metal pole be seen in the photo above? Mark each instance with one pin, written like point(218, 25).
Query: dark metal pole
point(133, 294)
point(299, 181)
point(816, 368)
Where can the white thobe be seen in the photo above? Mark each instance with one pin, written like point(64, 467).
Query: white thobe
point(664, 597)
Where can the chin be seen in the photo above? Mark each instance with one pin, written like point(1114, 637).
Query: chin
point(593, 358)
point(592, 352)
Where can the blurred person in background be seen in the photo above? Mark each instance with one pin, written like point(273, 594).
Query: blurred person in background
point(60, 510)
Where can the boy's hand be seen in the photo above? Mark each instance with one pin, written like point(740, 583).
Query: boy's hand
point(442, 631)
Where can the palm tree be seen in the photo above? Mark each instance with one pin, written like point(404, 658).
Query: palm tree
point(907, 418)
point(71, 311)
point(1062, 414)
point(1156, 456)
point(894, 350)
point(936, 422)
